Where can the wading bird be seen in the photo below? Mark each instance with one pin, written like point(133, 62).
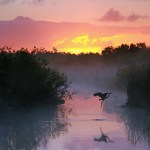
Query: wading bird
point(103, 96)
point(103, 138)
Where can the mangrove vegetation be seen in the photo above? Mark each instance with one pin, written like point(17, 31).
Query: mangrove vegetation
point(136, 80)
point(26, 81)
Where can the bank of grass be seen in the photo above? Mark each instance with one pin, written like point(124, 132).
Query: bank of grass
point(26, 81)
point(136, 80)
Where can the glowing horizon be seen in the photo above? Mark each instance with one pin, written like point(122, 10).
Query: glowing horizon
point(86, 43)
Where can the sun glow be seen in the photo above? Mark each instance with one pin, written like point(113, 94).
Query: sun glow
point(78, 44)
point(89, 43)
point(84, 40)
point(78, 50)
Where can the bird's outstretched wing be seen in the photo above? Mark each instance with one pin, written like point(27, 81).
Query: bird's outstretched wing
point(105, 94)
point(98, 94)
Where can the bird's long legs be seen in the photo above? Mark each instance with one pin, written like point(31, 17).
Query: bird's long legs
point(101, 102)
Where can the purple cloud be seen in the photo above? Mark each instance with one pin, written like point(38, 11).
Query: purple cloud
point(112, 15)
point(134, 17)
point(36, 2)
point(4, 2)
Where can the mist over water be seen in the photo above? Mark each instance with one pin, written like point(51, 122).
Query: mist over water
point(120, 125)
point(75, 125)
point(88, 79)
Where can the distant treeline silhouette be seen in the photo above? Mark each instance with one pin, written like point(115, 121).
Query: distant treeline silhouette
point(124, 49)
point(123, 54)
point(26, 81)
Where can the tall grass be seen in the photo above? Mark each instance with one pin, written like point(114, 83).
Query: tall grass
point(136, 124)
point(136, 80)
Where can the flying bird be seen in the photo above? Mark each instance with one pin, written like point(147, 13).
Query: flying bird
point(102, 96)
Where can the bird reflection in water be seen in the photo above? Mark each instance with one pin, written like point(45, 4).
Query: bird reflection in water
point(103, 138)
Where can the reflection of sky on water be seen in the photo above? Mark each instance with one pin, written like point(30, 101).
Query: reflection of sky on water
point(30, 130)
point(85, 126)
point(59, 129)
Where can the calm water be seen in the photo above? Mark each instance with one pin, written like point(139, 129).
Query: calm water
point(75, 126)
point(87, 120)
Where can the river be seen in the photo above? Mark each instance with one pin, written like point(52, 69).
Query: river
point(76, 125)
point(125, 128)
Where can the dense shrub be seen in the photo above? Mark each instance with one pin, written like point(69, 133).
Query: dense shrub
point(26, 81)
point(136, 80)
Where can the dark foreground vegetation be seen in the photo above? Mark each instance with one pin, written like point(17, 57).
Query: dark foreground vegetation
point(136, 80)
point(25, 81)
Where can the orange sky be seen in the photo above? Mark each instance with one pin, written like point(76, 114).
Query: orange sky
point(86, 44)
point(119, 15)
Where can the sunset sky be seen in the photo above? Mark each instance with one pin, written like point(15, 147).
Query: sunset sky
point(102, 13)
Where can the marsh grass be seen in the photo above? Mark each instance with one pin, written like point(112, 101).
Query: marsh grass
point(136, 124)
point(136, 81)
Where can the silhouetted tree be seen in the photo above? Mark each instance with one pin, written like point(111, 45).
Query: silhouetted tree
point(141, 45)
point(123, 49)
point(27, 81)
point(108, 51)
